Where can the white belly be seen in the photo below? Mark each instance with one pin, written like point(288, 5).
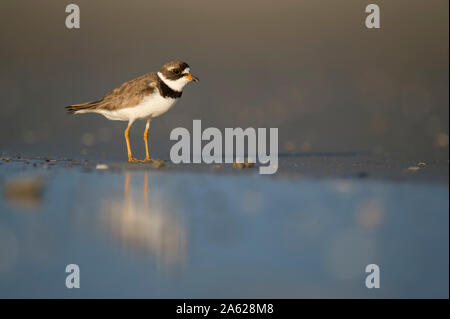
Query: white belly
point(150, 107)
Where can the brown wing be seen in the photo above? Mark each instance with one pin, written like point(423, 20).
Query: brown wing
point(128, 94)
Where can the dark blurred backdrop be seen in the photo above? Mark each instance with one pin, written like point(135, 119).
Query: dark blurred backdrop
point(310, 68)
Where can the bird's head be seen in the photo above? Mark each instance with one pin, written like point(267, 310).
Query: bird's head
point(176, 74)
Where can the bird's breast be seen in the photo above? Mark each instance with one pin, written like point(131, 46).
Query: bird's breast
point(153, 106)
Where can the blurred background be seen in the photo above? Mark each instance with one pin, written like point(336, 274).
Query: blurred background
point(310, 68)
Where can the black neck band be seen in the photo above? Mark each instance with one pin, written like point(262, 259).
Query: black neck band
point(166, 91)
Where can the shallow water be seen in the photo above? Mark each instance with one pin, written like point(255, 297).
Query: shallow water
point(192, 235)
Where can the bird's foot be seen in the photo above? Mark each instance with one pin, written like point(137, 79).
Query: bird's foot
point(132, 160)
point(147, 159)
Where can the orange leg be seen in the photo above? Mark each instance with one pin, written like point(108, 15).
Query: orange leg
point(147, 156)
point(131, 159)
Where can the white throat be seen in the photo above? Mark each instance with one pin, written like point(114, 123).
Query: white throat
point(176, 85)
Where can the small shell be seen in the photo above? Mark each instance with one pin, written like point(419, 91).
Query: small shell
point(101, 166)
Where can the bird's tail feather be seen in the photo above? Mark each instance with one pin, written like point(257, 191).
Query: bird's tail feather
point(85, 107)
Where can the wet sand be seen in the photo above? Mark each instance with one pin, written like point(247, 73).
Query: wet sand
point(194, 231)
point(345, 165)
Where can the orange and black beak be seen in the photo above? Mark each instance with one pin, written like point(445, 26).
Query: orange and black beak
point(192, 77)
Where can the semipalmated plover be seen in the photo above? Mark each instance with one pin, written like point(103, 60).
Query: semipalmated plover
point(143, 98)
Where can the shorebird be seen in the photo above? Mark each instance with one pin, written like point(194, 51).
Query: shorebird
point(143, 98)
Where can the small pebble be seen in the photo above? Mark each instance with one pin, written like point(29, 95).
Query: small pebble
point(421, 164)
point(413, 168)
point(248, 164)
point(238, 165)
point(245, 164)
point(158, 163)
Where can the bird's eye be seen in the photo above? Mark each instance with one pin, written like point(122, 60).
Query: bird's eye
point(176, 71)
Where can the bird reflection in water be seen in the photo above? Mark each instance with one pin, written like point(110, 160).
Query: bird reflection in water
point(148, 226)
